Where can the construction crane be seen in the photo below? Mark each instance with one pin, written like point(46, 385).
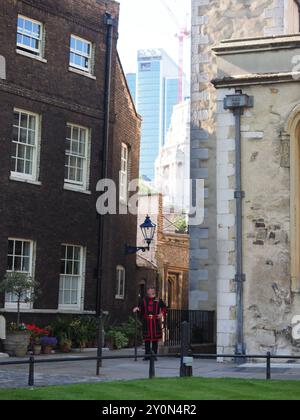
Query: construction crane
point(183, 34)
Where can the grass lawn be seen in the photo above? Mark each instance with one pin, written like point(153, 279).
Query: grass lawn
point(164, 389)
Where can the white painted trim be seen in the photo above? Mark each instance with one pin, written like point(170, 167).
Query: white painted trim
point(47, 311)
point(74, 188)
point(36, 148)
point(14, 177)
point(39, 51)
point(28, 55)
point(82, 73)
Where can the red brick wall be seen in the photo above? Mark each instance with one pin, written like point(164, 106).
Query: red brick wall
point(48, 214)
point(121, 229)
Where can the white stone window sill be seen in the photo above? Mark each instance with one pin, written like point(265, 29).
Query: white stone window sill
point(119, 297)
point(25, 180)
point(74, 188)
point(13, 306)
point(28, 55)
point(69, 309)
point(82, 73)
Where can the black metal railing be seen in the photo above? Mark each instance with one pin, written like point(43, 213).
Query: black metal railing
point(32, 362)
point(201, 327)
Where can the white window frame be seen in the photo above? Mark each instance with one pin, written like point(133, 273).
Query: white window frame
point(120, 271)
point(81, 282)
point(89, 56)
point(77, 185)
point(30, 273)
point(37, 53)
point(124, 170)
point(35, 148)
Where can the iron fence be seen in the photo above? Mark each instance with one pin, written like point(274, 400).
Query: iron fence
point(201, 327)
point(32, 362)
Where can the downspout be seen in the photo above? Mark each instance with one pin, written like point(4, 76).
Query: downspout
point(237, 104)
point(103, 160)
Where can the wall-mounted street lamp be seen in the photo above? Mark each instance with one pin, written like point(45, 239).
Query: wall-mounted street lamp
point(148, 230)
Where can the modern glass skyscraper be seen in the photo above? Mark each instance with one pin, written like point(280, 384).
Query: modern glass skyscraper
point(156, 94)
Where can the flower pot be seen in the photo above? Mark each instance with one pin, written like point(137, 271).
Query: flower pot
point(16, 343)
point(47, 349)
point(37, 350)
point(65, 347)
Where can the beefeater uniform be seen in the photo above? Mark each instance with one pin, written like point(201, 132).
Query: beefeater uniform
point(150, 309)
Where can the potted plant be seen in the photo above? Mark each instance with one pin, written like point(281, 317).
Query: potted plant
point(24, 289)
point(79, 334)
point(36, 335)
point(65, 343)
point(48, 344)
point(116, 339)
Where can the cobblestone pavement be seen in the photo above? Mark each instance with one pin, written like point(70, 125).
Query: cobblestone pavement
point(126, 369)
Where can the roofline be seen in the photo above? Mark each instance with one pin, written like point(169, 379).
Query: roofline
point(127, 86)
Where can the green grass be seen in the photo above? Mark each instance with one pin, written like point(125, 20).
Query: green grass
point(164, 389)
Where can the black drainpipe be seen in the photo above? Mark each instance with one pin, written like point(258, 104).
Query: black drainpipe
point(109, 21)
point(237, 104)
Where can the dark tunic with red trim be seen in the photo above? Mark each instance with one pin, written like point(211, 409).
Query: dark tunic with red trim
point(150, 308)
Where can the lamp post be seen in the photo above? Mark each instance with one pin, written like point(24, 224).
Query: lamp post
point(148, 229)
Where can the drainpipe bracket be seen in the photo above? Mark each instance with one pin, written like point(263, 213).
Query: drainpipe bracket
point(240, 278)
point(239, 194)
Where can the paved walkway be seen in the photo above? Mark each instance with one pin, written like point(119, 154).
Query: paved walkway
point(126, 369)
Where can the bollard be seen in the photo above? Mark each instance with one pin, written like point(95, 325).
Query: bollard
point(268, 366)
point(31, 371)
point(99, 345)
point(136, 339)
point(184, 348)
point(188, 366)
point(152, 365)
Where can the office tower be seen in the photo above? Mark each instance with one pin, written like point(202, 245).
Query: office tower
point(156, 94)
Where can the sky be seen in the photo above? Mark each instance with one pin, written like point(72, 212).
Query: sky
point(148, 24)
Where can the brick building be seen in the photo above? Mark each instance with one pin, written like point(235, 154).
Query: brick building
point(52, 151)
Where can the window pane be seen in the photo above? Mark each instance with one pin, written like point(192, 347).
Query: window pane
point(18, 248)
point(67, 297)
point(28, 167)
point(18, 264)
point(24, 120)
point(74, 298)
point(69, 267)
point(20, 167)
point(69, 252)
point(26, 264)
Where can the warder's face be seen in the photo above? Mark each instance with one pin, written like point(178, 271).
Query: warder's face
point(151, 293)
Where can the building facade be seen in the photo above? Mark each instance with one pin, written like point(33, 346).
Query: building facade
point(172, 167)
point(52, 91)
point(156, 93)
point(213, 245)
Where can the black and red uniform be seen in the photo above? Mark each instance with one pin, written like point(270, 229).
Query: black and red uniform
point(150, 309)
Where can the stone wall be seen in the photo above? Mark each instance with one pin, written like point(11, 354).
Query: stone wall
point(212, 22)
point(270, 301)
